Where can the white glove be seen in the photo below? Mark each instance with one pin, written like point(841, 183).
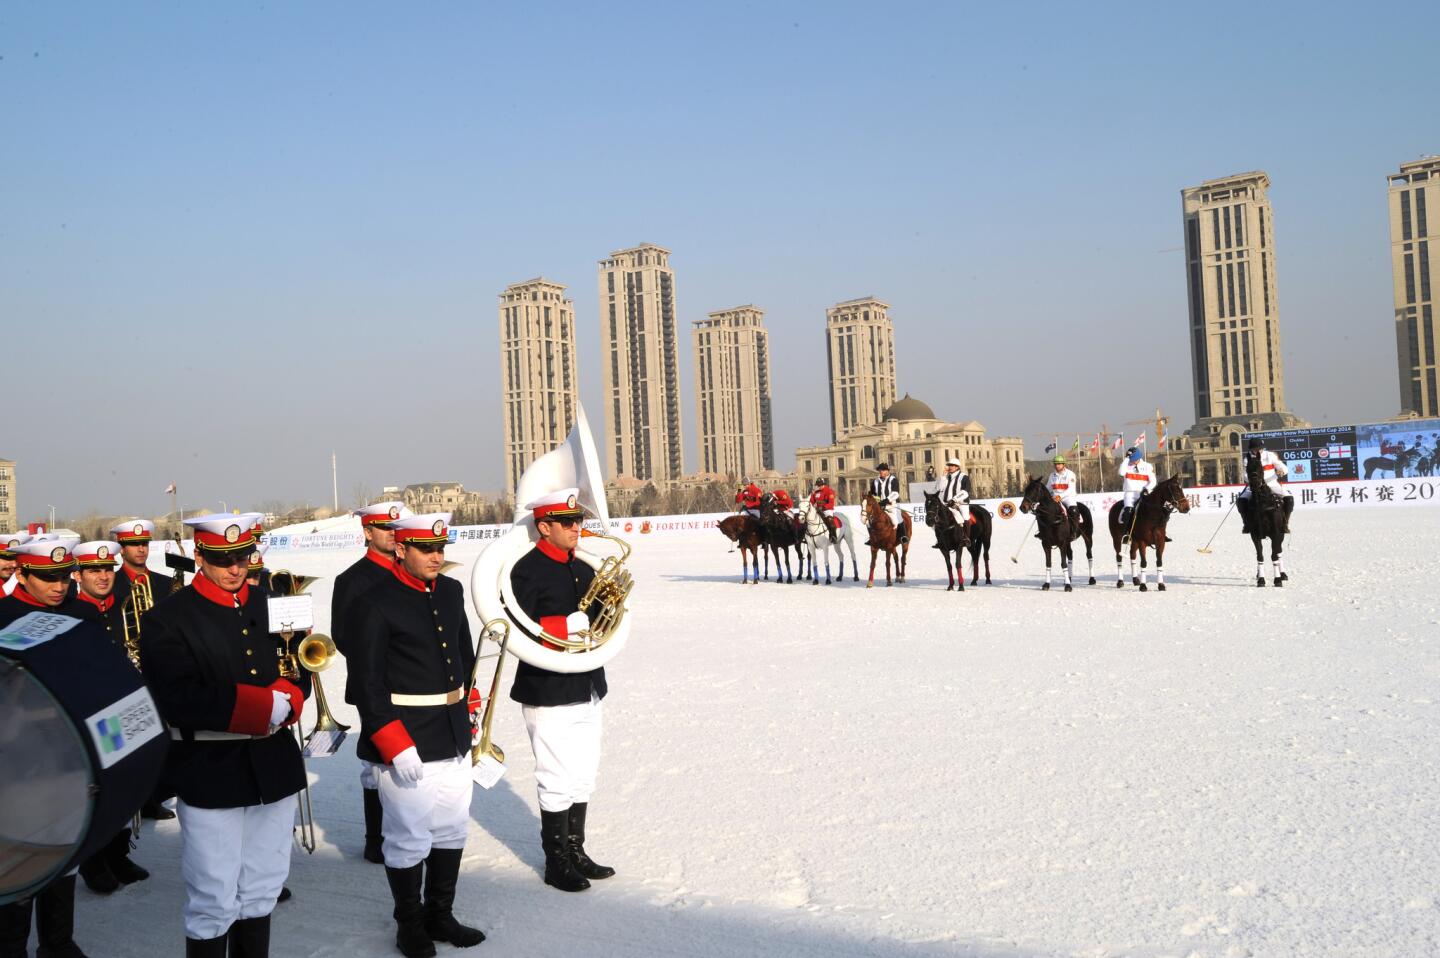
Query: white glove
point(576, 621)
point(408, 767)
point(279, 709)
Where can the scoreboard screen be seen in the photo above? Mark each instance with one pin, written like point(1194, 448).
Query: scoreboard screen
point(1314, 454)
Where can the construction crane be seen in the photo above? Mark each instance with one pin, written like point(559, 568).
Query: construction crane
point(1159, 422)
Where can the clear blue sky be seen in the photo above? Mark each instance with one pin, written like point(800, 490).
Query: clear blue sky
point(235, 236)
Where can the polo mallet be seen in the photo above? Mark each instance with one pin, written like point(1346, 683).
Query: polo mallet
point(1205, 549)
point(1026, 538)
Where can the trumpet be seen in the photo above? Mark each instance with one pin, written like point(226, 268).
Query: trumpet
point(140, 601)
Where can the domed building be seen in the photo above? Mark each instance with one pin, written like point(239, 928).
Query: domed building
point(915, 443)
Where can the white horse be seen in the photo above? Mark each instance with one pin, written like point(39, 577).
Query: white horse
point(817, 540)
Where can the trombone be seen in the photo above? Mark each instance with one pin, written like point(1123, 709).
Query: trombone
point(315, 653)
point(485, 750)
point(140, 601)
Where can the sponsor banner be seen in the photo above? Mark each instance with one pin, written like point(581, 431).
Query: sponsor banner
point(121, 727)
point(34, 628)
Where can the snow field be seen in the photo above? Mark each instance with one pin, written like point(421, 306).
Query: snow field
point(1218, 770)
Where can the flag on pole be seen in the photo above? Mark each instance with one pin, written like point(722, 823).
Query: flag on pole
point(1075, 446)
point(1161, 443)
point(1119, 439)
point(1140, 443)
point(170, 489)
point(1054, 444)
point(1095, 446)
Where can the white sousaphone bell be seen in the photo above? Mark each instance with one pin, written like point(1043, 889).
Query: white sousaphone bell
point(572, 463)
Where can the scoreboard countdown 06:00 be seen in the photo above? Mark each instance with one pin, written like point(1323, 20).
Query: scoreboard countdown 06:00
point(1315, 454)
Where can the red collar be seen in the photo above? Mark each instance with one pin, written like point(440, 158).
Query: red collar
point(102, 604)
point(132, 576)
point(226, 600)
point(379, 558)
point(24, 596)
point(553, 552)
point(419, 585)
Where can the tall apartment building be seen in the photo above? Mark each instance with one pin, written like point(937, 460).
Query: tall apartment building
point(641, 365)
point(1234, 314)
point(860, 347)
point(9, 520)
point(732, 392)
point(538, 371)
point(1414, 194)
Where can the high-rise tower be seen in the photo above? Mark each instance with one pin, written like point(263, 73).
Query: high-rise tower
point(732, 392)
point(537, 372)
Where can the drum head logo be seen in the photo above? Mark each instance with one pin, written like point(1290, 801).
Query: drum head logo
point(1007, 509)
point(57, 554)
point(439, 527)
point(232, 534)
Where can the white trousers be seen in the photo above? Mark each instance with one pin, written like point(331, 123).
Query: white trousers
point(370, 774)
point(431, 813)
point(1132, 496)
point(234, 862)
point(895, 518)
point(961, 513)
point(566, 742)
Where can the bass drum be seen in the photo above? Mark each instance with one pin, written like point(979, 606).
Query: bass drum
point(494, 598)
point(81, 743)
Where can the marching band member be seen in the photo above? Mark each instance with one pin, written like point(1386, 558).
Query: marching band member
point(43, 575)
point(1138, 478)
point(256, 575)
point(1273, 470)
point(134, 536)
point(8, 542)
point(211, 664)
point(955, 492)
point(412, 649)
point(886, 490)
point(373, 567)
point(562, 711)
point(94, 574)
point(1064, 486)
point(823, 499)
point(748, 498)
point(45, 566)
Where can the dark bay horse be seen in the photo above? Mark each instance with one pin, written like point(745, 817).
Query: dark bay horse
point(951, 536)
point(744, 531)
point(780, 534)
point(1267, 521)
point(883, 537)
point(1152, 511)
point(1058, 529)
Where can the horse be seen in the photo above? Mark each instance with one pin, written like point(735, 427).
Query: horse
point(951, 536)
point(1267, 521)
point(1396, 465)
point(885, 537)
point(744, 531)
point(1058, 528)
point(780, 533)
point(817, 539)
point(1147, 530)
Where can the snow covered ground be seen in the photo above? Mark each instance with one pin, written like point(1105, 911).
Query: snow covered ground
point(1218, 770)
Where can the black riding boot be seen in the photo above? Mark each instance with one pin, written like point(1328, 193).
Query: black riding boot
point(1125, 513)
point(118, 853)
point(15, 929)
point(374, 815)
point(409, 912)
point(442, 870)
point(55, 920)
point(583, 864)
point(250, 937)
point(96, 871)
point(555, 840)
point(1244, 510)
point(206, 947)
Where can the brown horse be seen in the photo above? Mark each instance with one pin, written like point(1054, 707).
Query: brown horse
point(1148, 530)
point(744, 531)
point(883, 537)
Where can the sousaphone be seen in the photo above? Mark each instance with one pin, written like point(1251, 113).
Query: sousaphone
point(572, 463)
